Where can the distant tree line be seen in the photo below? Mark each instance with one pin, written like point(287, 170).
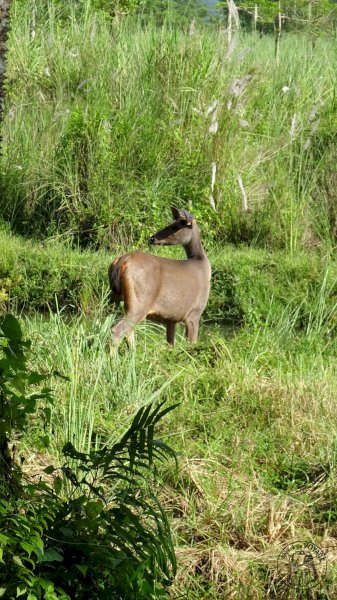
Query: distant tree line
point(184, 10)
point(268, 15)
point(261, 13)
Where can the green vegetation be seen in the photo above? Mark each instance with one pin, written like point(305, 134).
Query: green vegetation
point(249, 286)
point(96, 530)
point(110, 118)
point(300, 15)
point(255, 433)
point(98, 152)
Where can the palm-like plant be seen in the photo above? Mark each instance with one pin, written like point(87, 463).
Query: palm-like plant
point(119, 528)
point(97, 531)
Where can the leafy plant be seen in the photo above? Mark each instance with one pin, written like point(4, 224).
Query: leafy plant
point(18, 395)
point(96, 529)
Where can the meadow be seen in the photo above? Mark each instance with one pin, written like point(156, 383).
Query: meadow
point(255, 433)
point(107, 123)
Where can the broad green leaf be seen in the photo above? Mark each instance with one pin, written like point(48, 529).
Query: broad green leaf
point(20, 591)
point(29, 548)
point(3, 539)
point(19, 384)
point(17, 560)
point(11, 327)
point(82, 568)
point(49, 470)
point(36, 378)
point(38, 542)
point(94, 508)
point(2, 591)
point(50, 555)
point(46, 585)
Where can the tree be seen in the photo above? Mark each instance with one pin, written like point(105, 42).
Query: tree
point(295, 13)
point(5, 6)
point(313, 16)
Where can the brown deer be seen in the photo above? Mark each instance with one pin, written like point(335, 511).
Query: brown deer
point(162, 289)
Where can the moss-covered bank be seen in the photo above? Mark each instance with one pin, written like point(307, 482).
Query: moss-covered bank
point(248, 286)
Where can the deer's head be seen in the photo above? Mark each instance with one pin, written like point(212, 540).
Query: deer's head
point(179, 232)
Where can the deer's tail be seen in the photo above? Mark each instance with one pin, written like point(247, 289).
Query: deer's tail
point(115, 279)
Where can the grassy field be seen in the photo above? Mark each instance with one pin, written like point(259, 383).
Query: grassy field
point(255, 433)
point(255, 430)
point(249, 286)
point(107, 123)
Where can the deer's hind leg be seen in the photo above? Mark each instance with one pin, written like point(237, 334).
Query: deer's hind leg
point(133, 313)
point(124, 328)
point(192, 327)
point(170, 332)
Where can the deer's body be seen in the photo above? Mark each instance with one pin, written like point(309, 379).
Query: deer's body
point(162, 289)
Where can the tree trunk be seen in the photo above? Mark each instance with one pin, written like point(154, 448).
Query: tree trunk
point(5, 458)
point(4, 25)
point(310, 28)
point(278, 34)
point(255, 17)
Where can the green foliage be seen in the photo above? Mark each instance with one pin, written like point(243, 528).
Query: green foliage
point(297, 15)
point(178, 11)
point(248, 286)
point(259, 288)
point(97, 530)
point(255, 431)
point(109, 121)
point(37, 276)
point(112, 8)
point(117, 7)
point(18, 395)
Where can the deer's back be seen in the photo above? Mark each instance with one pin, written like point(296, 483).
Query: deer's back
point(165, 288)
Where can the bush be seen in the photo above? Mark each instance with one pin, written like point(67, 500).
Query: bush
point(96, 530)
point(44, 276)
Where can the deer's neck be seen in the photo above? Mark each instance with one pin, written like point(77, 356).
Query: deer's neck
point(194, 248)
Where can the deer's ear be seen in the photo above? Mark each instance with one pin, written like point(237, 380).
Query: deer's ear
point(190, 219)
point(176, 212)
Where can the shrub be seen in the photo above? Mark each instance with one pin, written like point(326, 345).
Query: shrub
point(96, 530)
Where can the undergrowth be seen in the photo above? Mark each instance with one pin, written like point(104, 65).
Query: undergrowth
point(255, 433)
point(91, 526)
point(107, 122)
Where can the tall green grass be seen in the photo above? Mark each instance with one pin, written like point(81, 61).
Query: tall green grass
point(99, 384)
point(255, 433)
point(108, 121)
